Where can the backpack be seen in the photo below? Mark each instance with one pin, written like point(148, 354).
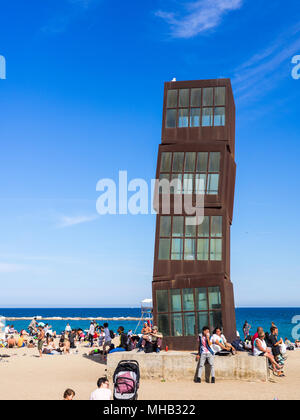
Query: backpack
point(112, 334)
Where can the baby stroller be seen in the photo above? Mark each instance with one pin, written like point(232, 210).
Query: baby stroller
point(126, 380)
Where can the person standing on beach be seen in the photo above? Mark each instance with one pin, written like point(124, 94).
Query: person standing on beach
point(41, 336)
point(205, 354)
point(107, 338)
point(246, 329)
point(91, 334)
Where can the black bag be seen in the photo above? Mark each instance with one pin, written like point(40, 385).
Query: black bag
point(149, 347)
point(112, 334)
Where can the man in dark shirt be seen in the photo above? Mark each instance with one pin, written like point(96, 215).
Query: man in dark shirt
point(275, 343)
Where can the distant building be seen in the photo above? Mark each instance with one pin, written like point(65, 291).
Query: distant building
point(191, 280)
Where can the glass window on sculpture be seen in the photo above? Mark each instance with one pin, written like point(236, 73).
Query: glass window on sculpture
point(176, 325)
point(162, 300)
point(163, 324)
point(189, 324)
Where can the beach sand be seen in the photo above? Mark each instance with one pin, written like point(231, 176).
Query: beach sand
point(25, 376)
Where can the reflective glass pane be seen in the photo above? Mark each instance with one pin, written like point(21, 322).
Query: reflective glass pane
point(164, 249)
point(178, 161)
point(219, 118)
point(203, 228)
point(214, 297)
point(172, 98)
point(165, 226)
point(201, 298)
point(190, 226)
point(208, 96)
point(213, 184)
point(216, 226)
point(215, 320)
point(162, 300)
point(176, 184)
point(220, 95)
point(165, 164)
point(207, 117)
point(214, 162)
point(202, 249)
point(202, 320)
point(195, 117)
point(189, 324)
point(196, 97)
point(188, 299)
point(164, 187)
point(216, 249)
point(184, 97)
point(175, 300)
point(178, 225)
point(171, 118)
point(177, 249)
point(189, 249)
point(200, 184)
point(202, 162)
point(188, 183)
point(190, 161)
point(183, 117)
point(163, 324)
point(176, 325)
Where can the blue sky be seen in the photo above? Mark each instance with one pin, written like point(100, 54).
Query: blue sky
point(83, 100)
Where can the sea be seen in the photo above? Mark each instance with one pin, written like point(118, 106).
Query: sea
point(286, 319)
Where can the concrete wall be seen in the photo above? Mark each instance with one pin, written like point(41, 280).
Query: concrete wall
point(174, 366)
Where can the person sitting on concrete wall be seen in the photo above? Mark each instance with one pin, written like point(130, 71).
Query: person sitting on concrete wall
point(220, 345)
point(152, 342)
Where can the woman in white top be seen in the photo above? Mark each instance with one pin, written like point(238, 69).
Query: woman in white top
point(219, 342)
point(260, 349)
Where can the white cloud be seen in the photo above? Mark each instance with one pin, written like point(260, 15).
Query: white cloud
point(12, 268)
point(263, 71)
point(67, 221)
point(199, 16)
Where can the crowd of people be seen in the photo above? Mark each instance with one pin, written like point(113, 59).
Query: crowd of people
point(261, 344)
point(100, 339)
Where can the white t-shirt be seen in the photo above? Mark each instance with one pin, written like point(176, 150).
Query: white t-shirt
point(107, 335)
point(216, 348)
point(101, 394)
point(92, 329)
point(6, 330)
point(68, 328)
point(256, 351)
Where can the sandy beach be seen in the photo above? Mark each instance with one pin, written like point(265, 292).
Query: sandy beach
point(26, 376)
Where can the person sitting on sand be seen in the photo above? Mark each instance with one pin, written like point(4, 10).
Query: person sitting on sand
point(66, 348)
point(289, 345)
point(102, 392)
point(21, 341)
point(220, 344)
point(11, 342)
point(69, 394)
point(31, 344)
point(260, 349)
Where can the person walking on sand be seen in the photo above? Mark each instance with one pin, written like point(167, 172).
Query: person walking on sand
point(41, 336)
point(205, 354)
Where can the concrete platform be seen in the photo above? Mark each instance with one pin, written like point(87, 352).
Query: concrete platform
point(175, 365)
